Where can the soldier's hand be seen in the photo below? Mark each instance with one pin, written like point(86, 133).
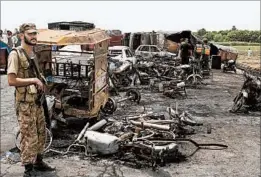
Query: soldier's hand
point(39, 84)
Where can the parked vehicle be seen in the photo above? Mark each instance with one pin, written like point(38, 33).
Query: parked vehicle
point(149, 51)
point(250, 94)
point(229, 65)
point(122, 74)
point(122, 53)
point(80, 85)
point(116, 37)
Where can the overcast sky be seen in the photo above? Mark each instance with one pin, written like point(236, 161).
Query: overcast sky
point(135, 15)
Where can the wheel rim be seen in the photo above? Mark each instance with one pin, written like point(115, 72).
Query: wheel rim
point(110, 107)
point(238, 104)
point(135, 94)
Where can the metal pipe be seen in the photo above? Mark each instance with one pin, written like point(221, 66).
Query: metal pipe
point(149, 125)
point(82, 132)
point(98, 125)
point(161, 121)
point(124, 99)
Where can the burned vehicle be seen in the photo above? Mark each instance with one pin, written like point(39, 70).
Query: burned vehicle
point(151, 51)
point(228, 58)
point(249, 96)
point(79, 79)
point(121, 70)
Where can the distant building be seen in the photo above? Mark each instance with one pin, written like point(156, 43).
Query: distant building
point(74, 26)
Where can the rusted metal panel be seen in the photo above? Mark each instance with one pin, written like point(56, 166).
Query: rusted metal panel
point(63, 37)
point(171, 46)
point(100, 87)
point(98, 91)
point(44, 55)
point(80, 113)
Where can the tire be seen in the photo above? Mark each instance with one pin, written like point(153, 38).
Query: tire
point(238, 103)
point(198, 80)
point(136, 95)
point(110, 107)
point(48, 142)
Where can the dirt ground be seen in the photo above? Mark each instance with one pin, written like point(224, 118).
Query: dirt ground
point(241, 132)
point(253, 61)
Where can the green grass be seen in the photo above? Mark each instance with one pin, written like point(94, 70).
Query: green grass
point(235, 43)
point(245, 48)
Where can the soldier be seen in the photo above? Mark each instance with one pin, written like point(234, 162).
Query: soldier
point(185, 48)
point(205, 55)
point(30, 113)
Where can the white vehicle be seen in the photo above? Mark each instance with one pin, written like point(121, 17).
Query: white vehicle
point(122, 53)
point(148, 51)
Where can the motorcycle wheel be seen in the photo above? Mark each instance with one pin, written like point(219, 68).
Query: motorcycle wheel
point(136, 97)
point(110, 107)
point(238, 103)
point(192, 82)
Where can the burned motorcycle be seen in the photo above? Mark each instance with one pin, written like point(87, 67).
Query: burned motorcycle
point(250, 94)
point(194, 77)
point(146, 69)
point(122, 74)
point(229, 65)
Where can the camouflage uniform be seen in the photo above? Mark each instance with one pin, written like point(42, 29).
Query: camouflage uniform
point(205, 57)
point(30, 115)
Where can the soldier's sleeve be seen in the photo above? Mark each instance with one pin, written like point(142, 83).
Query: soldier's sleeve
point(12, 66)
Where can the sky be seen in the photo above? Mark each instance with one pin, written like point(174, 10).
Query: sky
point(134, 16)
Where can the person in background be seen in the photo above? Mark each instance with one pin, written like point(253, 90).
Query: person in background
point(16, 39)
point(4, 37)
point(1, 35)
point(9, 39)
point(249, 53)
point(185, 48)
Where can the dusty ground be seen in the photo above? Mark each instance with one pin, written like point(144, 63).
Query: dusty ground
point(253, 61)
point(210, 104)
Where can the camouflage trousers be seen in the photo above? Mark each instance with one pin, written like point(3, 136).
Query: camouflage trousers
point(32, 130)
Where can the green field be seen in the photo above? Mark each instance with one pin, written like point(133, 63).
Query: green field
point(245, 48)
point(254, 61)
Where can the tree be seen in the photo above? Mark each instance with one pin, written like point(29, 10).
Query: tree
point(202, 32)
point(209, 36)
point(234, 28)
point(218, 38)
point(232, 36)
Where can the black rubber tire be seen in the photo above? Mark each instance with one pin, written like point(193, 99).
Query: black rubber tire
point(110, 107)
point(135, 93)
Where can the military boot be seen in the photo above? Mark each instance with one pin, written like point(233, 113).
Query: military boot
point(29, 171)
point(40, 165)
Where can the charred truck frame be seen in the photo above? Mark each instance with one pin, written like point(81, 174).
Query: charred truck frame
point(89, 92)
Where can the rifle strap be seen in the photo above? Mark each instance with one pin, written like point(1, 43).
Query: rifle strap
point(33, 62)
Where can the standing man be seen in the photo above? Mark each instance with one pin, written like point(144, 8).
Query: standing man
point(16, 40)
point(30, 112)
point(185, 48)
point(249, 53)
point(205, 55)
point(9, 39)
